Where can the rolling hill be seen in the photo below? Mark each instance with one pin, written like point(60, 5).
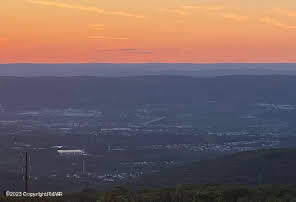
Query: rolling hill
point(275, 166)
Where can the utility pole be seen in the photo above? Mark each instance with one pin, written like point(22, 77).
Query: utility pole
point(83, 167)
point(26, 173)
point(260, 177)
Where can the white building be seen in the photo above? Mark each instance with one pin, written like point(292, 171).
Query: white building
point(73, 152)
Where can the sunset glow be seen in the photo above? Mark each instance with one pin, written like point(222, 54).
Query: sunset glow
point(132, 31)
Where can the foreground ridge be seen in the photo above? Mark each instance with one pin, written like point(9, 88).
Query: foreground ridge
point(180, 193)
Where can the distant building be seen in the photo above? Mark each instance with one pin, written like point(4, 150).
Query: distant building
point(73, 152)
point(57, 147)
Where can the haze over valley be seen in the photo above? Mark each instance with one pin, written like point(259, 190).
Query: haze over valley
point(105, 131)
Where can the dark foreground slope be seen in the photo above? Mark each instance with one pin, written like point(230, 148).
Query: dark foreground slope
point(254, 167)
point(186, 193)
point(264, 167)
point(130, 91)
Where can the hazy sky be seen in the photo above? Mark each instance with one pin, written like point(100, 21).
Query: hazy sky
point(197, 31)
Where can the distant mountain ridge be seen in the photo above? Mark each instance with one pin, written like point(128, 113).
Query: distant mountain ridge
point(115, 70)
point(132, 91)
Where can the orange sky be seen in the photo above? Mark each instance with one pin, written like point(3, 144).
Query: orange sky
point(204, 31)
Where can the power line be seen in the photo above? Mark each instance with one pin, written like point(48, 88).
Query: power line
point(26, 173)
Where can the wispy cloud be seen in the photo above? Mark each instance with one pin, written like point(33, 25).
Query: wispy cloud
point(280, 11)
point(190, 7)
point(127, 50)
point(216, 9)
point(185, 9)
point(121, 13)
point(108, 37)
point(174, 11)
point(64, 5)
point(97, 27)
point(234, 16)
point(276, 23)
point(93, 9)
point(207, 8)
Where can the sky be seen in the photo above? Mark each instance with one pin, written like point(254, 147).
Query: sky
point(141, 31)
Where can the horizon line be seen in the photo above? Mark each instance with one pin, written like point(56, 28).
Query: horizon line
point(133, 63)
